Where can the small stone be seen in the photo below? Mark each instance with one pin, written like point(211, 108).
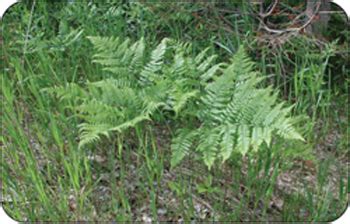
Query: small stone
point(161, 211)
point(146, 219)
point(72, 203)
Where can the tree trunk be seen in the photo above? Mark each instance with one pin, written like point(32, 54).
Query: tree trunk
point(321, 24)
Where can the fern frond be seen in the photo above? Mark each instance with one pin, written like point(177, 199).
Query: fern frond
point(104, 43)
point(179, 99)
point(209, 144)
point(90, 133)
point(130, 123)
point(207, 63)
point(243, 140)
point(149, 72)
point(209, 74)
point(137, 61)
point(201, 56)
point(96, 111)
point(67, 92)
point(181, 145)
point(257, 137)
point(228, 141)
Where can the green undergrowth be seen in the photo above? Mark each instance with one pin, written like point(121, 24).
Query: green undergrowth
point(105, 120)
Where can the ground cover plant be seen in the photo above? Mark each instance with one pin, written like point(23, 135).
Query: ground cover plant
point(138, 111)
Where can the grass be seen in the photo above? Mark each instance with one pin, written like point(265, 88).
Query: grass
point(46, 177)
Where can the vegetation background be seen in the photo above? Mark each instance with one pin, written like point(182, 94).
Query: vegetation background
point(47, 177)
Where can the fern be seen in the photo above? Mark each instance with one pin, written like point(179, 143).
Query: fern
point(233, 112)
point(237, 115)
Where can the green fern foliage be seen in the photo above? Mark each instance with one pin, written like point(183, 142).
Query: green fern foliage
point(237, 115)
point(233, 112)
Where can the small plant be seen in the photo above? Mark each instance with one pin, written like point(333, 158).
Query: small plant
point(207, 187)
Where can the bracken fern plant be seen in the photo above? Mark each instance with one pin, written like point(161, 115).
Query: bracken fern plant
point(231, 112)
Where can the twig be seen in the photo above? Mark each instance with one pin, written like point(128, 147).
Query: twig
point(296, 29)
point(270, 11)
point(202, 202)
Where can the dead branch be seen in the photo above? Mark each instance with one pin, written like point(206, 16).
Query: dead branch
point(292, 27)
point(271, 9)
